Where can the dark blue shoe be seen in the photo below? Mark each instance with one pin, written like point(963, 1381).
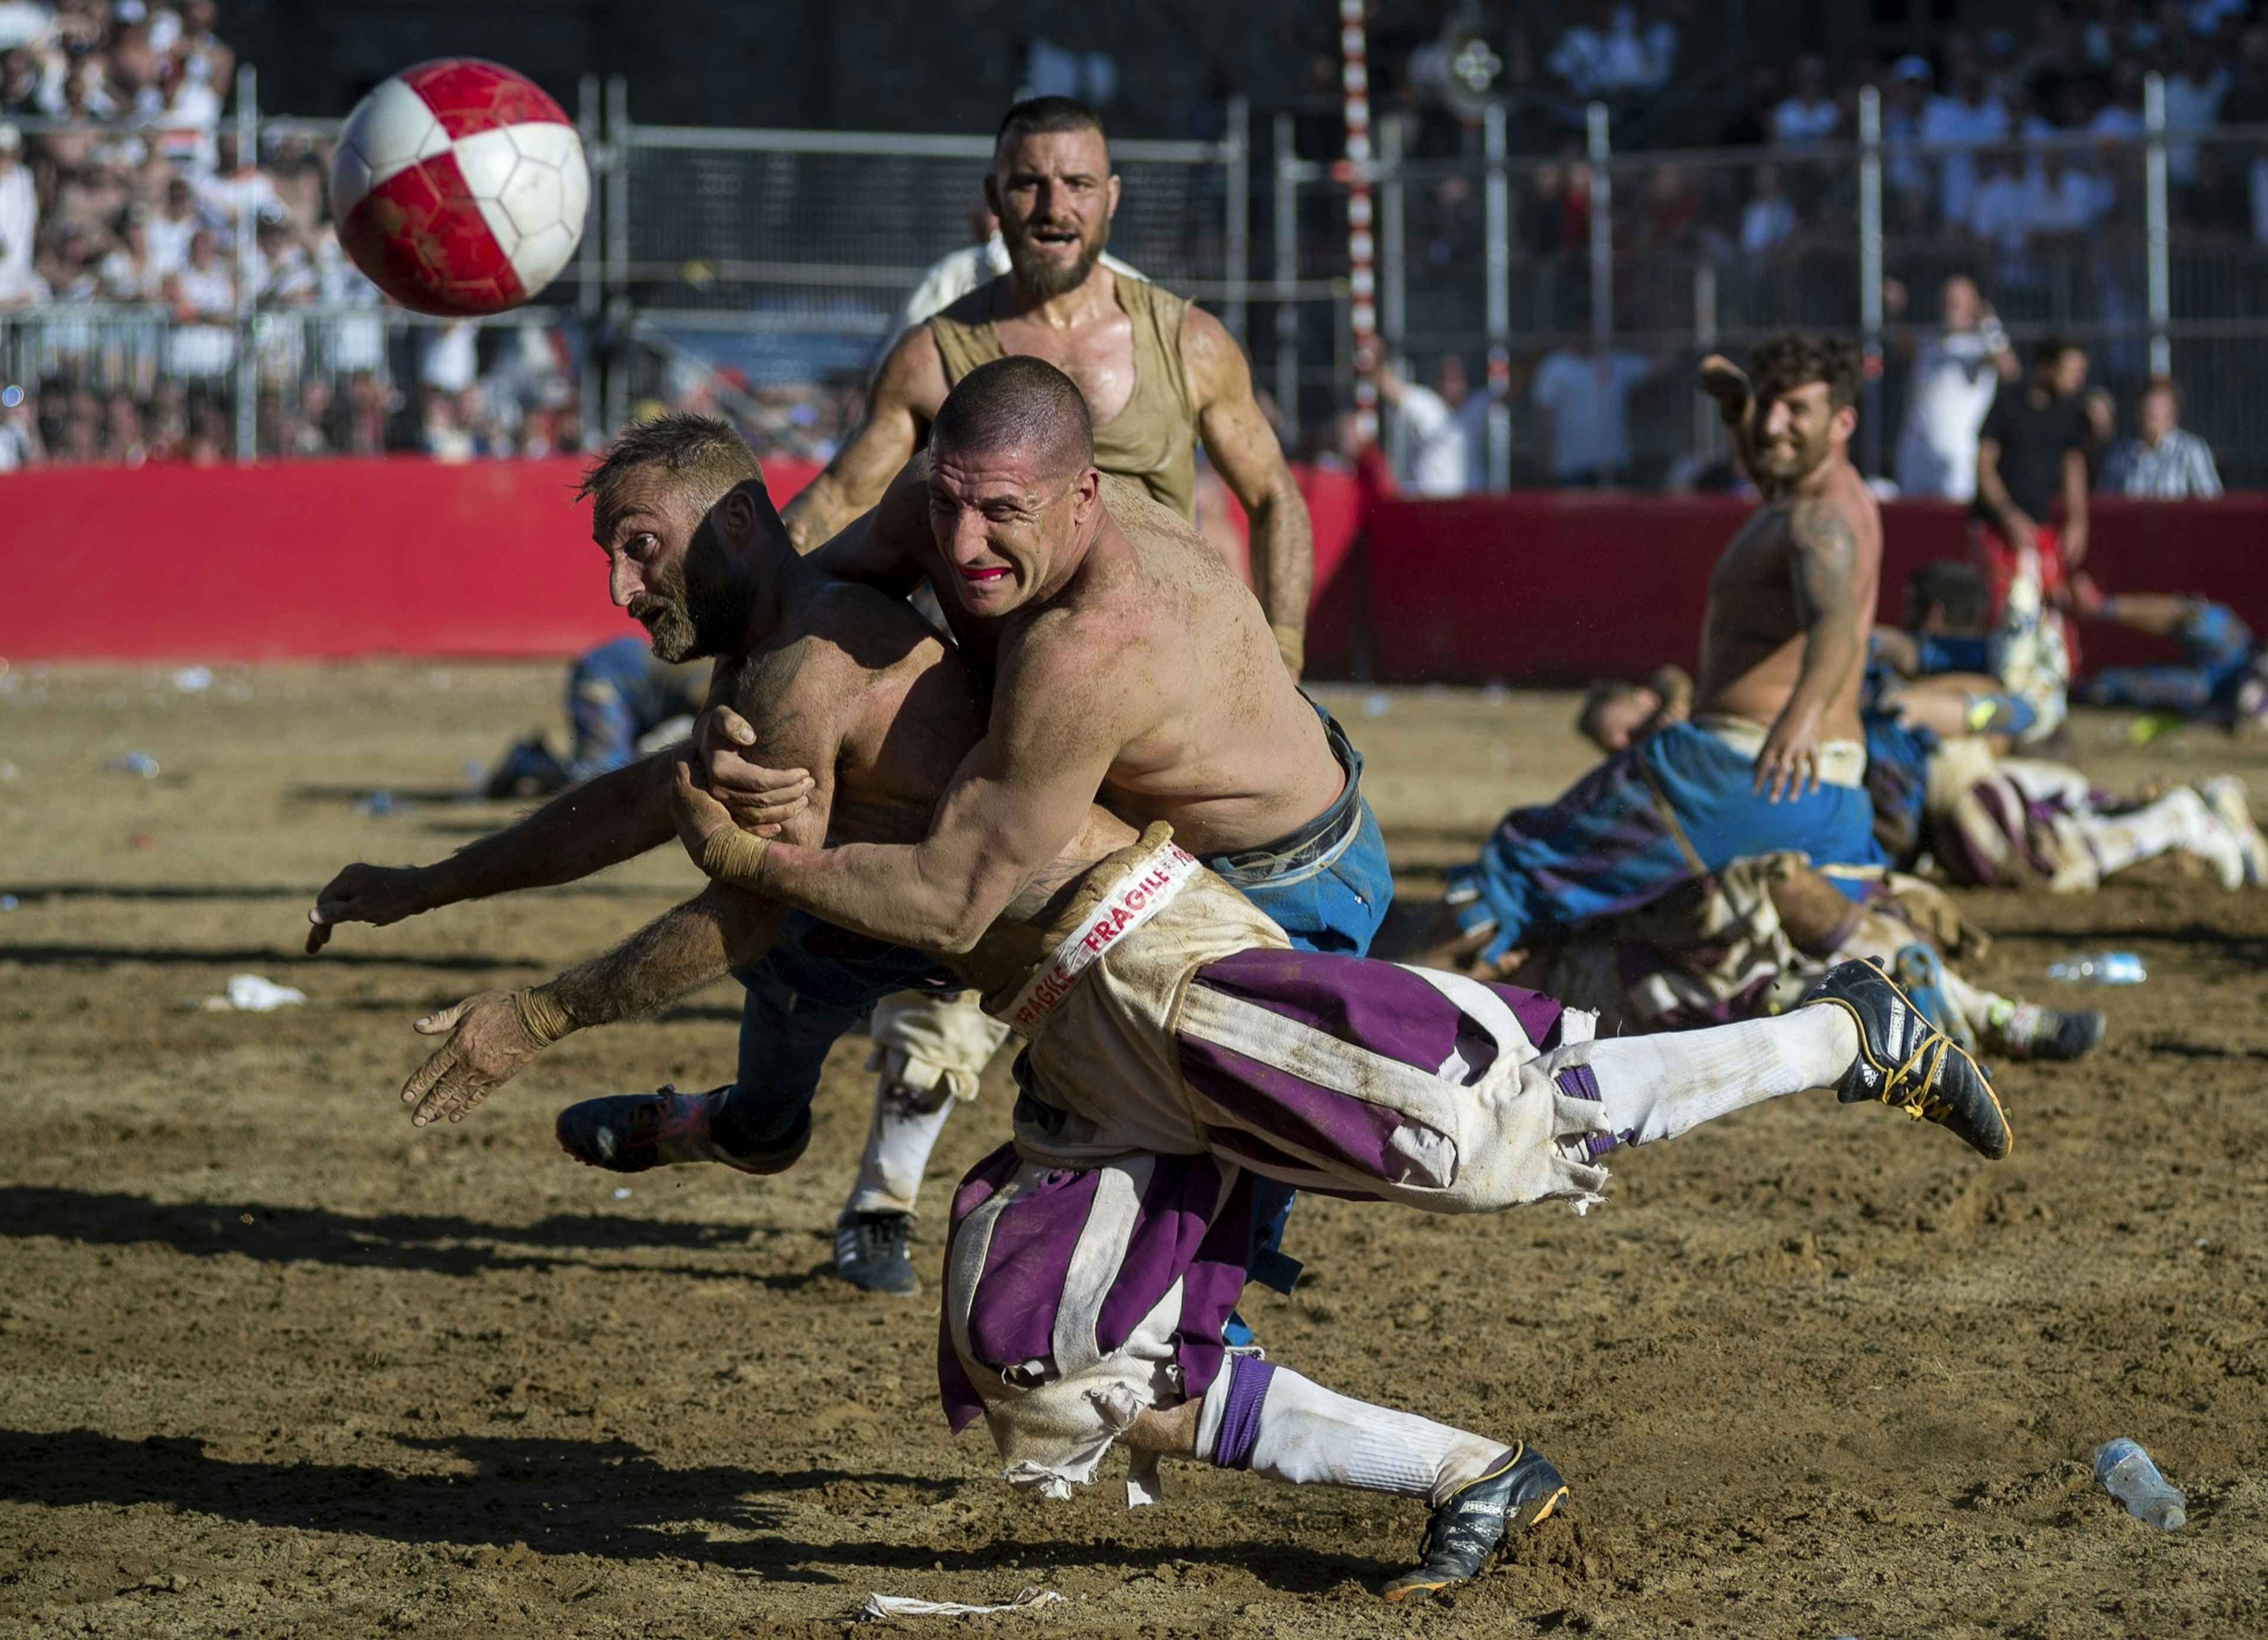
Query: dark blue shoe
point(1521, 1490)
point(630, 1133)
point(870, 1253)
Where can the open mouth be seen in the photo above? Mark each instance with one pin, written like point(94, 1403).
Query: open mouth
point(1056, 236)
point(984, 573)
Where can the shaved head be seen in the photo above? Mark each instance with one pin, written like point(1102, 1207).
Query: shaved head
point(1017, 403)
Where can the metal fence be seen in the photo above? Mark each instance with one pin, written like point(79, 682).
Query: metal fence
point(726, 264)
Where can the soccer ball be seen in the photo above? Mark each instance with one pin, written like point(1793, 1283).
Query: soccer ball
point(460, 188)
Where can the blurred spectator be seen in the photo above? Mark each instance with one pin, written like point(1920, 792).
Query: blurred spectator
point(202, 287)
point(24, 23)
point(2247, 102)
point(1968, 115)
point(2031, 472)
point(1811, 113)
point(1444, 430)
point(2166, 462)
point(174, 225)
point(2193, 97)
point(1614, 55)
point(1954, 375)
point(2005, 207)
point(19, 223)
point(1587, 399)
point(1905, 100)
point(129, 271)
point(1768, 220)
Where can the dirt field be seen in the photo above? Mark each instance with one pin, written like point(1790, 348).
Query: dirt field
point(272, 1364)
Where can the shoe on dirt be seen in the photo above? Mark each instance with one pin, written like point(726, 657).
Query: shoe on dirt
point(630, 1133)
point(1521, 1490)
point(1921, 975)
point(2226, 797)
point(2050, 1035)
point(526, 770)
point(1906, 1061)
point(870, 1253)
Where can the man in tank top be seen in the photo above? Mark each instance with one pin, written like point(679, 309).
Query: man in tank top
point(1159, 374)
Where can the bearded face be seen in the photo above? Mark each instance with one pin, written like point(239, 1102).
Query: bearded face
point(1049, 258)
point(1796, 432)
point(1053, 193)
point(692, 607)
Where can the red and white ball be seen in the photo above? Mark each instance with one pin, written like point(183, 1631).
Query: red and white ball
point(460, 188)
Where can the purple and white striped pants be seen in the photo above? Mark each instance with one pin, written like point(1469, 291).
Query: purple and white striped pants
point(1076, 1297)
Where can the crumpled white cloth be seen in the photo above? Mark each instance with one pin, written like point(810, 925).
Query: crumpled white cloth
point(906, 1605)
point(249, 993)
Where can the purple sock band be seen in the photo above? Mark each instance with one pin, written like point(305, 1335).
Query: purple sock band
point(1577, 1082)
point(1599, 1143)
point(1240, 1419)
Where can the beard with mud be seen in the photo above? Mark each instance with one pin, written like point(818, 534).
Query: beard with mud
point(1037, 271)
point(690, 610)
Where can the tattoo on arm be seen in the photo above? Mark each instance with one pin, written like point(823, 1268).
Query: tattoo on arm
point(1825, 559)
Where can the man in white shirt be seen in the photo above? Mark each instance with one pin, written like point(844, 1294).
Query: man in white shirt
point(1588, 401)
point(1969, 113)
point(1953, 379)
point(1444, 432)
point(19, 223)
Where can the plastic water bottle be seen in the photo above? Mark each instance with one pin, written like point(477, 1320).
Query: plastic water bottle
point(2105, 967)
point(2128, 1475)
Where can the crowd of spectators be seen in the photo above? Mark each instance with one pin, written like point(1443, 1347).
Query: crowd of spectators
point(146, 252)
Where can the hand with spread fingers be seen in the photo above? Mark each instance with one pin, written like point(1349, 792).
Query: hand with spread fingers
point(376, 894)
point(491, 1037)
point(759, 801)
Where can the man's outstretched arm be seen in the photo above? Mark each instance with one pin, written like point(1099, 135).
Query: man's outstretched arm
point(492, 1036)
point(1824, 555)
point(910, 377)
point(615, 817)
point(1243, 449)
point(1017, 802)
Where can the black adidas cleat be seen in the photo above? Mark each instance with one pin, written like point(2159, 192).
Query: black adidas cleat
point(630, 1133)
point(1522, 1490)
point(870, 1253)
point(1906, 1061)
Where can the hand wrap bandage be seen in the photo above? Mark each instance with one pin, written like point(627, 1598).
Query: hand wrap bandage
point(1291, 644)
point(542, 1017)
point(732, 855)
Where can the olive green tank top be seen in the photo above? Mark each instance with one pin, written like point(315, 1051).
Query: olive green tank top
point(1152, 440)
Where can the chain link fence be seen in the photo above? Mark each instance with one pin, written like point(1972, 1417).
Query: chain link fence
point(763, 272)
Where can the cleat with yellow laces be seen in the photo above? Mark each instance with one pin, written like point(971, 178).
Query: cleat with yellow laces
point(1904, 1060)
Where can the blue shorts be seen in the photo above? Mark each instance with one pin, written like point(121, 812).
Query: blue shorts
point(2217, 650)
point(616, 694)
point(1675, 805)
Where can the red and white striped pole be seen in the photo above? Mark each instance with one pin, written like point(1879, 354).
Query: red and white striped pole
point(1362, 278)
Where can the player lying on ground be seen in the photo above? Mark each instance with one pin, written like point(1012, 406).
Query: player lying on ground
point(1183, 1054)
point(2222, 675)
point(1254, 779)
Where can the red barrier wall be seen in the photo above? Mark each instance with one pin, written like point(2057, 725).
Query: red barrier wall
point(1553, 587)
point(328, 559)
point(325, 559)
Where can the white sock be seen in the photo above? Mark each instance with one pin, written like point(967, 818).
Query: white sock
point(899, 1139)
point(1311, 1435)
point(1657, 1088)
point(2174, 821)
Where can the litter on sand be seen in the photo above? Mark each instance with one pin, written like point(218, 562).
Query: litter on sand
point(248, 993)
point(906, 1605)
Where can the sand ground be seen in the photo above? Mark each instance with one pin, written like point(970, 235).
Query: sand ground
point(272, 1364)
